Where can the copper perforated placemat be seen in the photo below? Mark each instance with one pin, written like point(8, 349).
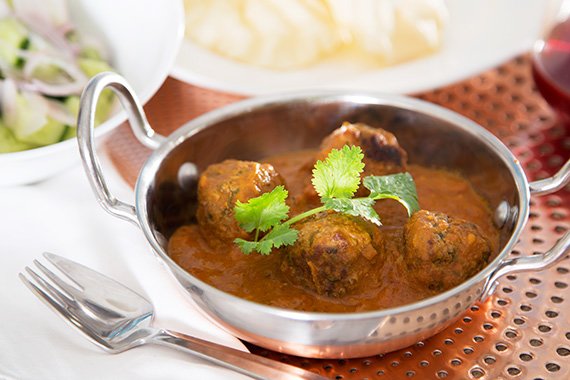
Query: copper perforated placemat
point(521, 332)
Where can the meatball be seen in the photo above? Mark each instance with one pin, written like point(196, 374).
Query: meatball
point(441, 252)
point(332, 255)
point(225, 183)
point(382, 154)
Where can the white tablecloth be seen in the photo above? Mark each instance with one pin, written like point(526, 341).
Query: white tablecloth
point(62, 216)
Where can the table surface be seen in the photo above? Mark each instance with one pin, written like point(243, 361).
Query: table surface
point(523, 330)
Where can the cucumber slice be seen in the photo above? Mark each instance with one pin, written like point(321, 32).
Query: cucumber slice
point(104, 106)
point(70, 133)
point(30, 123)
point(72, 105)
point(9, 143)
point(48, 73)
point(50, 133)
point(91, 53)
point(14, 36)
point(91, 66)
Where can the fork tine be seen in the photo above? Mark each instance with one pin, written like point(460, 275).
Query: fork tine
point(49, 290)
point(66, 267)
point(40, 293)
point(51, 298)
point(56, 303)
point(86, 277)
point(70, 290)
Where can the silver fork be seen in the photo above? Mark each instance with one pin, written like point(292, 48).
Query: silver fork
point(117, 319)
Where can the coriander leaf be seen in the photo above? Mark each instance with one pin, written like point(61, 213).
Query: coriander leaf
point(400, 187)
point(356, 207)
point(263, 246)
point(339, 175)
point(262, 212)
point(246, 246)
point(279, 236)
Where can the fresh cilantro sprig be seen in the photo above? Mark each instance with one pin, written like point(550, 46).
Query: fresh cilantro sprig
point(335, 180)
point(263, 212)
point(338, 176)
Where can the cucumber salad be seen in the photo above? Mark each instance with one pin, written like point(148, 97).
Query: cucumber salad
point(44, 65)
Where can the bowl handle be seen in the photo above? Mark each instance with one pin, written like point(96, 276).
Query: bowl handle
point(85, 137)
point(551, 184)
point(528, 263)
point(554, 254)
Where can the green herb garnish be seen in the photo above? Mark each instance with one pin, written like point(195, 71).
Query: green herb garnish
point(335, 180)
point(263, 212)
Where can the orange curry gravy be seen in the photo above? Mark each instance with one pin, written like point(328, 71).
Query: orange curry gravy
point(258, 278)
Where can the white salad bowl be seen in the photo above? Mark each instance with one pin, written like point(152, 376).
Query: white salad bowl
point(142, 38)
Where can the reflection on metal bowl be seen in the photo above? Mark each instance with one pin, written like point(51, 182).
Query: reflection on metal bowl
point(255, 128)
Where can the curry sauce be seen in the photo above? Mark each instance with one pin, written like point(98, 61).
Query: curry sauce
point(258, 278)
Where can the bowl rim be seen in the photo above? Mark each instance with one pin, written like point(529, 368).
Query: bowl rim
point(186, 131)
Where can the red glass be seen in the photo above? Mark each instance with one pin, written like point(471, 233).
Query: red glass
point(551, 68)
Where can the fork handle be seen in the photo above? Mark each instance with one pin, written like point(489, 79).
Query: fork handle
point(251, 365)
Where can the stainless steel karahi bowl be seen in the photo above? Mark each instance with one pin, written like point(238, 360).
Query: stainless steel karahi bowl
point(259, 127)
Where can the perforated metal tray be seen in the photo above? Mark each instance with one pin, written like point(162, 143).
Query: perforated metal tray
point(523, 330)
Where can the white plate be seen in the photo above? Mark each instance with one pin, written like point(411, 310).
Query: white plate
point(142, 38)
point(480, 35)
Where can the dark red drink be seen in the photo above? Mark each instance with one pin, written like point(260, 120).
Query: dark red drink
point(551, 69)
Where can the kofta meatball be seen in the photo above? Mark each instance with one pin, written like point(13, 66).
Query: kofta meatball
point(382, 153)
point(225, 183)
point(332, 254)
point(441, 251)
